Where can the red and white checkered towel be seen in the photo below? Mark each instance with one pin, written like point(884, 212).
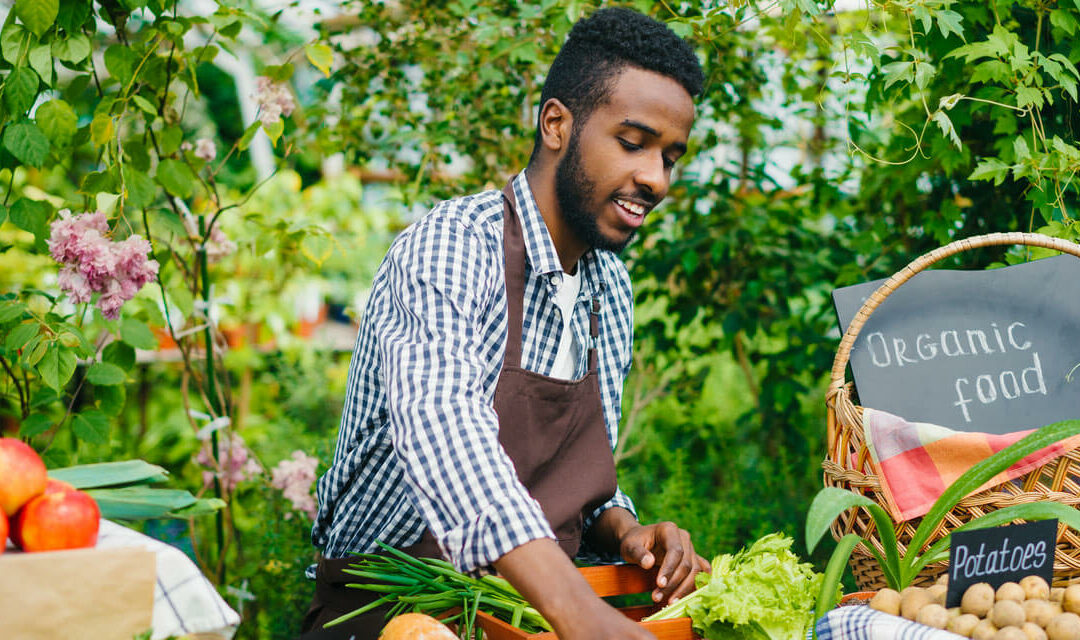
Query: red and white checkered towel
point(917, 461)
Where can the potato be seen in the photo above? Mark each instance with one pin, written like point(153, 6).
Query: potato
point(933, 615)
point(943, 579)
point(963, 624)
point(1010, 633)
point(985, 630)
point(1041, 612)
point(1007, 613)
point(1035, 588)
point(1057, 594)
point(1065, 626)
point(1033, 631)
point(912, 600)
point(978, 599)
point(886, 601)
point(1071, 600)
point(937, 593)
point(1009, 591)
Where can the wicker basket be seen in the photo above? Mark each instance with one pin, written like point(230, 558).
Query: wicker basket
point(847, 464)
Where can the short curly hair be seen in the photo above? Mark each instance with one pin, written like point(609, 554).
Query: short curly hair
point(600, 46)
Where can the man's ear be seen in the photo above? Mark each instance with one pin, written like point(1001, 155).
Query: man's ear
point(556, 122)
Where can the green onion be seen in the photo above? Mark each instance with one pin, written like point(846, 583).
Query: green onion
point(432, 586)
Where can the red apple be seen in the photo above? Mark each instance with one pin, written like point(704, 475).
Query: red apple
point(3, 531)
point(59, 520)
point(22, 474)
point(52, 485)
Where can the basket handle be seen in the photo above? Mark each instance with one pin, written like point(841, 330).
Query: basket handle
point(843, 353)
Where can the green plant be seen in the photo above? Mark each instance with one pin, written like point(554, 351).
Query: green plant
point(900, 569)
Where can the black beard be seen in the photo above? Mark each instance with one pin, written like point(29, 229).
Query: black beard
point(572, 190)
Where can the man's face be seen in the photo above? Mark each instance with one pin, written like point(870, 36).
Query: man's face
point(617, 165)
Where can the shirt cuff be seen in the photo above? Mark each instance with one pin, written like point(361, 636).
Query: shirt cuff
point(620, 499)
point(505, 523)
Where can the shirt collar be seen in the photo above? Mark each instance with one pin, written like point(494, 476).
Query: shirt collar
point(539, 247)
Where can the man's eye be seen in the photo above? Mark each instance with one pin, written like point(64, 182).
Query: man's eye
point(668, 162)
point(629, 146)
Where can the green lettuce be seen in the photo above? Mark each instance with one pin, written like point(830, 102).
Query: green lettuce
point(762, 592)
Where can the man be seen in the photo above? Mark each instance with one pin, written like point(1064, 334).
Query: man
point(484, 392)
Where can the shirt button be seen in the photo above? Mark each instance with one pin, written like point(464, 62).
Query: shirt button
point(556, 279)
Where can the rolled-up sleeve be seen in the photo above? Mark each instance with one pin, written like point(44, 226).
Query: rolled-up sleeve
point(443, 427)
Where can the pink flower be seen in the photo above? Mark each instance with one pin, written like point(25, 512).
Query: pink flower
point(274, 100)
point(232, 465)
point(95, 264)
point(205, 149)
point(294, 477)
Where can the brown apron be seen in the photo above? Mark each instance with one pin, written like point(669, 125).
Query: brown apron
point(552, 429)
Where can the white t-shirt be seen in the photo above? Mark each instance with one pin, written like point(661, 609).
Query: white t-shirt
point(566, 294)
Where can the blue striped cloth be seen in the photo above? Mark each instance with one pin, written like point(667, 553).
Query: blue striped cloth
point(418, 445)
point(864, 623)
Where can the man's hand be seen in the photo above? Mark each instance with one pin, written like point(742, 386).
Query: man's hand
point(546, 577)
point(647, 545)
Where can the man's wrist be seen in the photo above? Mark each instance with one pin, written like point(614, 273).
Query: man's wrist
point(611, 526)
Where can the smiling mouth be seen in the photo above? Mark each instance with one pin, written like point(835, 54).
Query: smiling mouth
point(632, 207)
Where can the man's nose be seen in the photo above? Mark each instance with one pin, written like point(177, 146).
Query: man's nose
point(652, 175)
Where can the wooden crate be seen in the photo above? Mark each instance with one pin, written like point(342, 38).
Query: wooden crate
point(610, 580)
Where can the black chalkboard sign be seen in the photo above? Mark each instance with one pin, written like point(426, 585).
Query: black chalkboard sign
point(993, 351)
point(999, 555)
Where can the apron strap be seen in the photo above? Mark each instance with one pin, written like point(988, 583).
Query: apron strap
point(514, 259)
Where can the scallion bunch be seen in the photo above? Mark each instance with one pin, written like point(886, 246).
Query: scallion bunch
point(435, 587)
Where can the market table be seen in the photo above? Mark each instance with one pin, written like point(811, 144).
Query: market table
point(68, 585)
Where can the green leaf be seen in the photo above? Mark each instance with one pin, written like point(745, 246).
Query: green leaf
point(990, 169)
point(950, 22)
point(105, 374)
point(1063, 20)
point(57, 120)
point(983, 471)
point(249, 133)
point(279, 73)
point(37, 15)
point(176, 177)
point(121, 61)
point(102, 129)
point(924, 73)
point(11, 310)
point(111, 399)
point(831, 502)
point(320, 56)
point(202, 507)
point(91, 426)
point(135, 503)
point(110, 474)
point(33, 425)
point(141, 189)
point(946, 126)
point(169, 140)
point(1029, 96)
point(27, 143)
point(274, 130)
point(73, 49)
point(57, 367)
point(41, 61)
point(32, 215)
point(20, 89)
point(20, 335)
point(145, 105)
point(833, 572)
point(137, 334)
point(898, 71)
point(73, 15)
point(14, 40)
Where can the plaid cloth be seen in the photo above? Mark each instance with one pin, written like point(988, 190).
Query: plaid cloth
point(418, 446)
point(864, 623)
point(917, 461)
point(184, 600)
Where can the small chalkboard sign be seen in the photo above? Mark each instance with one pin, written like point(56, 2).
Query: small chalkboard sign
point(993, 351)
point(999, 555)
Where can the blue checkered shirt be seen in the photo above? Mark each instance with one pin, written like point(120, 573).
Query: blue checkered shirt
point(418, 445)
